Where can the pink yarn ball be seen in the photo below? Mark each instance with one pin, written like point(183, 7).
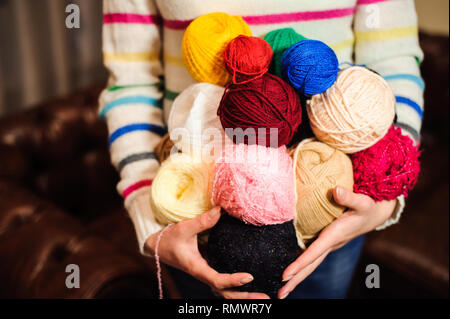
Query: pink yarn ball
point(255, 184)
point(387, 169)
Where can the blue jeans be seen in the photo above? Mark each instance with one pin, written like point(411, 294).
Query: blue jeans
point(330, 280)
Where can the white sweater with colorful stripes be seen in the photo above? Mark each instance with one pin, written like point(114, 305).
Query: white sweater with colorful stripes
point(142, 50)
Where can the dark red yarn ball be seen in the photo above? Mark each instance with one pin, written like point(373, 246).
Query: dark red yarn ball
point(266, 102)
point(387, 169)
point(247, 58)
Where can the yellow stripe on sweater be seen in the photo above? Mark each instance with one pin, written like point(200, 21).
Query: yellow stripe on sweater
point(386, 34)
point(173, 60)
point(338, 46)
point(130, 56)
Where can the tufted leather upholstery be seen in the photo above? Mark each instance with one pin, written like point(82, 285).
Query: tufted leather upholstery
point(59, 206)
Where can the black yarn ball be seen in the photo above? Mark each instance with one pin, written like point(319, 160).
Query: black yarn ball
point(262, 251)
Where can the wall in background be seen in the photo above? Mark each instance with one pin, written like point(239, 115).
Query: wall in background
point(433, 16)
point(40, 58)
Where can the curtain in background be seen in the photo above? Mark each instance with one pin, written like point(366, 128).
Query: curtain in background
point(40, 58)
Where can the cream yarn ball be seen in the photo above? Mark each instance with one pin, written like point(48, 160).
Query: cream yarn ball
point(180, 189)
point(355, 112)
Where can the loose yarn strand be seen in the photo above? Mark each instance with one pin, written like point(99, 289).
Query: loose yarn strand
point(158, 264)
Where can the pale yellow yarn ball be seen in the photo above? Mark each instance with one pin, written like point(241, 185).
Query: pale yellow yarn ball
point(318, 168)
point(180, 189)
point(355, 112)
point(203, 44)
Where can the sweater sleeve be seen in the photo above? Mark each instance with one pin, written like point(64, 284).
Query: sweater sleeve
point(131, 103)
point(386, 41)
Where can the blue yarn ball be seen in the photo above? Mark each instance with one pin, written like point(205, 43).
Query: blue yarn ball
point(310, 66)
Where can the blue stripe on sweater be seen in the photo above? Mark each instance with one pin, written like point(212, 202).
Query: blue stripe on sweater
point(136, 99)
point(157, 129)
point(411, 103)
point(408, 77)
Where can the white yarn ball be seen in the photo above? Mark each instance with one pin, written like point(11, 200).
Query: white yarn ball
point(193, 122)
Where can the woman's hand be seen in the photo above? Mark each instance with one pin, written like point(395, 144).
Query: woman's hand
point(178, 248)
point(363, 215)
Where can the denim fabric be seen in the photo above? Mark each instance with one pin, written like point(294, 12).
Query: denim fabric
point(330, 280)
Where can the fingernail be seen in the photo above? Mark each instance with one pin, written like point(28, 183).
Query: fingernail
point(340, 191)
point(213, 212)
point(287, 278)
point(246, 280)
point(284, 295)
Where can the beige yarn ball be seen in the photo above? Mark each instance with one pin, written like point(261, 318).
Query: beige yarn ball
point(355, 112)
point(318, 168)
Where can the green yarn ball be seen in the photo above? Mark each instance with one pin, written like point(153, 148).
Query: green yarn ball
point(280, 40)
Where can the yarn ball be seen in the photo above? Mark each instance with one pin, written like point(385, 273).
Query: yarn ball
point(262, 251)
point(254, 183)
point(193, 123)
point(319, 168)
point(354, 113)
point(280, 40)
point(180, 189)
point(164, 148)
point(203, 44)
point(266, 102)
point(247, 58)
point(310, 66)
point(388, 169)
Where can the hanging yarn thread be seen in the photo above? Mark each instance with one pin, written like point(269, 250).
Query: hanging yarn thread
point(158, 263)
point(180, 189)
point(266, 102)
point(193, 123)
point(254, 183)
point(388, 169)
point(354, 113)
point(247, 58)
point(203, 44)
point(280, 40)
point(318, 168)
point(310, 66)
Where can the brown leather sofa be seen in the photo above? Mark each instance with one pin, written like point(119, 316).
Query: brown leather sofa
point(59, 206)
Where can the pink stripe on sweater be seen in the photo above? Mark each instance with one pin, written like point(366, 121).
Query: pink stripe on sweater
point(360, 2)
point(275, 18)
point(136, 186)
point(131, 18)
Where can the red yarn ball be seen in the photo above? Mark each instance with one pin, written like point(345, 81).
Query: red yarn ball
point(247, 58)
point(266, 102)
point(387, 169)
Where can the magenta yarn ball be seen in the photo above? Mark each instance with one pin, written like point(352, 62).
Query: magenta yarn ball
point(255, 184)
point(387, 169)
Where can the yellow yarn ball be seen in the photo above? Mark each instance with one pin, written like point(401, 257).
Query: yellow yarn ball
point(355, 112)
point(203, 44)
point(318, 168)
point(180, 189)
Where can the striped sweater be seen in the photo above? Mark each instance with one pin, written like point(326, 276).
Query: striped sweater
point(142, 51)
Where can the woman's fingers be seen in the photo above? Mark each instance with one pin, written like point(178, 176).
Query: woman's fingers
point(201, 223)
point(300, 276)
point(233, 294)
point(353, 201)
point(321, 245)
point(202, 271)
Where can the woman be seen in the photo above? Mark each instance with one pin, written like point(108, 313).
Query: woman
point(142, 50)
